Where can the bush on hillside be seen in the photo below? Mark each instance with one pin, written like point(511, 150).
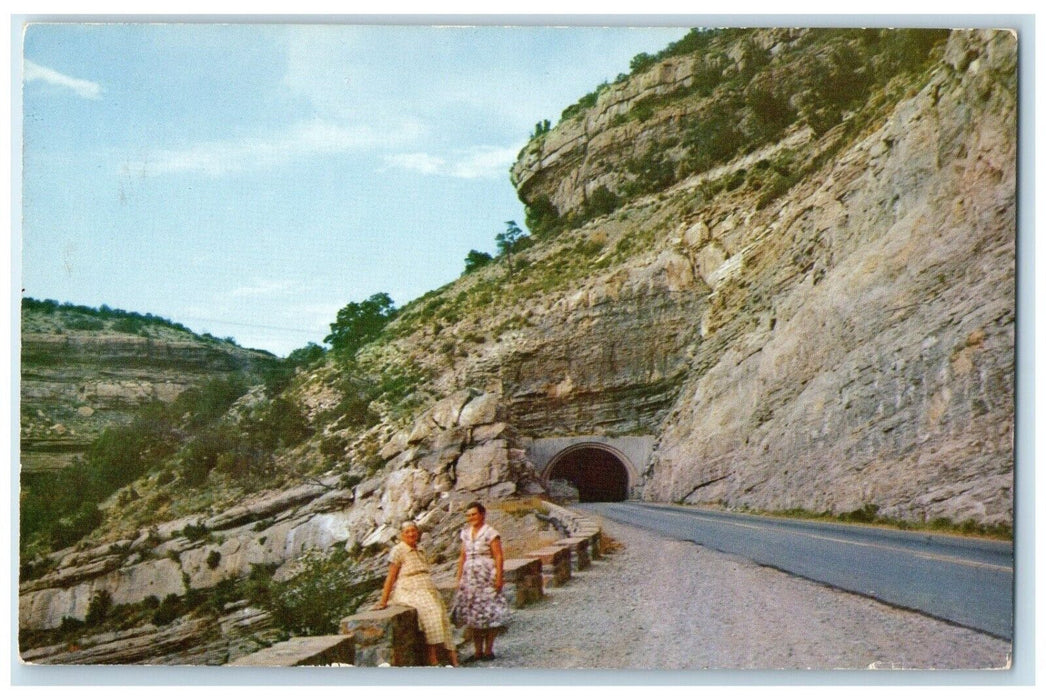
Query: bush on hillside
point(358, 323)
point(326, 588)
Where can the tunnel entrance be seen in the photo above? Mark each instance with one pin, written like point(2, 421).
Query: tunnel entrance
point(598, 474)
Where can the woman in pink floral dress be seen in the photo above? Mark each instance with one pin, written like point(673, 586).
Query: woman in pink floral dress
point(481, 571)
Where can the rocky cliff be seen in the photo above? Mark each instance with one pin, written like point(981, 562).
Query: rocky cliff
point(81, 374)
point(786, 256)
point(824, 322)
point(864, 354)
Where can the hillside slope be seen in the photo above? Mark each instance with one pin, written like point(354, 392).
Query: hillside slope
point(83, 370)
point(785, 257)
point(824, 321)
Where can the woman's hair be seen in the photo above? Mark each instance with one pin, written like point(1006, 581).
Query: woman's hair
point(478, 506)
point(409, 523)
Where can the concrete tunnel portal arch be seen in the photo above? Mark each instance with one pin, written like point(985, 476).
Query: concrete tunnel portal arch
point(598, 471)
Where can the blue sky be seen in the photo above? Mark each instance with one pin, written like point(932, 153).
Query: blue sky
point(249, 180)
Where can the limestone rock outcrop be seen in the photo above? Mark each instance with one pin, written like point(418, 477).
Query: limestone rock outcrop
point(846, 343)
point(843, 341)
point(76, 382)
point(876, 363)
point(458, 450)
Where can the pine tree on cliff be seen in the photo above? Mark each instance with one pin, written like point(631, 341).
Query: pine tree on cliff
point(509, 241)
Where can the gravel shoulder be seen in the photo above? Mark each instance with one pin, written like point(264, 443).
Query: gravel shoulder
point(659, 603)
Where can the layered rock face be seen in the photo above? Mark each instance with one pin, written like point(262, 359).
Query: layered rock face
point(649, 117)
point(853, 342)
point(884, 375)
point(75, 383)
point(584, 372)
point(846, 343)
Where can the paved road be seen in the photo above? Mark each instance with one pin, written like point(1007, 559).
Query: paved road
point(963, 580)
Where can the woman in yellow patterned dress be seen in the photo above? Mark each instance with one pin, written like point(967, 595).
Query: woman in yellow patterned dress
point(409, 583)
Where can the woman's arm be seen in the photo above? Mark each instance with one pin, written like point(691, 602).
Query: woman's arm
point(390, 581)
point(499, 563)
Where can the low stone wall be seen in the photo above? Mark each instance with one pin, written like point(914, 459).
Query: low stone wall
point(575, 525)
point(334, 649)
point(390, 636)
point(523, 581)
point(579, 557)
point(555, 563)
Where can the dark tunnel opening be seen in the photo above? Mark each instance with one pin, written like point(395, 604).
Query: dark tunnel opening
point(597, 474)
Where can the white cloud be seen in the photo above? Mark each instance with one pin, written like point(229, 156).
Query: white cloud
point(84, 88)
point(485, 162)
point(423, 163)
point(478, 162)
point(303, 140)
point(262, 288)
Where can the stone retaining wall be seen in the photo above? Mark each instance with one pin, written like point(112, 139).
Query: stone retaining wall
point(329, 650)
point(579, 556)
point(391, 636)
point(555, 563)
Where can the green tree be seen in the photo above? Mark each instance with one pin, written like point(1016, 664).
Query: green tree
point(360, 322)
point(641, 61)
point(542, 216)
point(475, 260)
point(509, 241)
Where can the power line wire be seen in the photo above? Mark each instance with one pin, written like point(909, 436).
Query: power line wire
point(250, 325)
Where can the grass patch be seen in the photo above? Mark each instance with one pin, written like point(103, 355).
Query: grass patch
point(608, 545)
point(522, 506)
point(868, 514)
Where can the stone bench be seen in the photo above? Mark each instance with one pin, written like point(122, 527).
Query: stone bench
point(555, 562)
point(579, 551)
point(595, 550)
point(523, 581)
point(390, 636)
point(304, 651)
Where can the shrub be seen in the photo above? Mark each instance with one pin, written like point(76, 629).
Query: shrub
point(865, 514)
point(277, 376)
point(195, 531)
point(214, 557)
point(334, 446)
point(168, 611)
point(542, 216)
point(99, 607)
point(326, 589)
point(70, 624)
point(581, 105)
point(640, 62)
point(280, 424)
point(476, 259)
point(712, 139)
point(208, 402)
point(201, 455)
point(69, 530)
point(84, 324)
point(601, 202)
